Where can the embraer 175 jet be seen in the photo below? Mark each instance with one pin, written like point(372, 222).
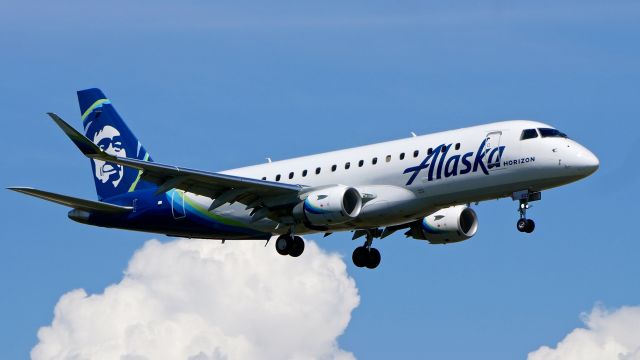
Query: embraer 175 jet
point(421, 185)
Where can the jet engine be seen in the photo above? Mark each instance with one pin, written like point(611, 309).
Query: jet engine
point(452, 224)
point(333, 205)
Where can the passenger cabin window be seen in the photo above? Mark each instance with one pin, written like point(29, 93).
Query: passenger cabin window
point(334, 167)
point(416, 153)
point(347, 165)
point(457, 146)
point(545, 132)
point(278, 177)
point(264, 178)
point(317, 171)
point(304, 172)
point(388, 158)
point(528, 134)
point(360, 163)
point(291, 175)
point(374, 160)
point(429, 151)
point(401, 156)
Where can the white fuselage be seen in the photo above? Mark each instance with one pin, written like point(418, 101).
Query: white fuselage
point(404, 187)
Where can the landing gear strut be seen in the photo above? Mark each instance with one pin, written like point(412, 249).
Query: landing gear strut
point(290, 245)
point(365, 255)
point(524, 224)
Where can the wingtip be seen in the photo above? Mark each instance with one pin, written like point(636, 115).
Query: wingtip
point(19, 188)
point(85, 145)
point(55, 117)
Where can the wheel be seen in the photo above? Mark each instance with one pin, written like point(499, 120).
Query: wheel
point(373, 259)
point(531, 225)
point(297, 246)
point(360, 256)
point(283, 244)
point(522, 225)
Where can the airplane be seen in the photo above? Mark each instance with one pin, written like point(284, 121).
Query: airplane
point(423, 185)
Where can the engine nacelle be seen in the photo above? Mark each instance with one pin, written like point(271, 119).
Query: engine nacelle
point(334, 205)
point(453, 224)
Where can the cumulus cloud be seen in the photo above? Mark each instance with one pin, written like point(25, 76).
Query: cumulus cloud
point(607, 336)
point(198, 299)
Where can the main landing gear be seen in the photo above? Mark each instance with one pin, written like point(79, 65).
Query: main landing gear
point(365, 255)
point(524, 197)
point(290, 245)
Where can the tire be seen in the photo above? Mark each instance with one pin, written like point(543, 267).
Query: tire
point(360, 256)
point(531, 225)
point(374, 258)
point(283, 244)
point(297, 247)
point(521, 225)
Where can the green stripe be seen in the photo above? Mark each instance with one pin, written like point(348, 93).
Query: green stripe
point(93, 106)
point(135, 183)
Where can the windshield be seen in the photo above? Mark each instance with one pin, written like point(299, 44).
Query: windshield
point(545, 132)
point(528, 134)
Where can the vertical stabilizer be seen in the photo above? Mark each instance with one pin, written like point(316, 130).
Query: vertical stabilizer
point(105, 128)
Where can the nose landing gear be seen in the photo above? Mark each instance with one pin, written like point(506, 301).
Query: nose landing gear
point(524, 197)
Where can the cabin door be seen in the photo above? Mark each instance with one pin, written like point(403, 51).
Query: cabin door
point(177, 204)
point(491, 150)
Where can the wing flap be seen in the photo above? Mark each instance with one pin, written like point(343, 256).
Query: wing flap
point(76, 203)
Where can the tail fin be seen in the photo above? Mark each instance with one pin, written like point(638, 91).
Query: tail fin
point(107, 130)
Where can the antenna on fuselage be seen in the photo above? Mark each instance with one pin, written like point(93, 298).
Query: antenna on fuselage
point(413, 134)
point(269, 159)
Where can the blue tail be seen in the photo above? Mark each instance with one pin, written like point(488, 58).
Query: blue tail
point(105, 128)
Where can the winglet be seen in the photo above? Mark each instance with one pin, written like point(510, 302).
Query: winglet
point(85, 145)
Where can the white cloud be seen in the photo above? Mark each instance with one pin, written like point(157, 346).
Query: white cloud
point(198, 299)
point(608, 335)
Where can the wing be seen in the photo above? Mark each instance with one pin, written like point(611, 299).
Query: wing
point(223, 188)
point(76, 203)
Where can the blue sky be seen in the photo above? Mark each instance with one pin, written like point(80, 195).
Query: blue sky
point(220, 85)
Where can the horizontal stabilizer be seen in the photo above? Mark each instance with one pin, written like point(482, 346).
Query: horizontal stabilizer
point(80, 204)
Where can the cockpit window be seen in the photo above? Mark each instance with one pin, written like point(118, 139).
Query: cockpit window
point(545, 132)
point(528, 134)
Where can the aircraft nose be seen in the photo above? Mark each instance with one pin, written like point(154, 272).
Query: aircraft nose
point(586, 161)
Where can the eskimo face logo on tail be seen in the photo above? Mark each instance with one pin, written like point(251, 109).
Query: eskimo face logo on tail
point(438, 164)
point(110, 141)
